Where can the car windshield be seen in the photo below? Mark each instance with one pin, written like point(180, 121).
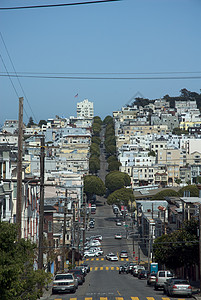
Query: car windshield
point(180, 282)
point(63, 276)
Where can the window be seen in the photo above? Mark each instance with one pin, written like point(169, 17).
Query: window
point(49, 226)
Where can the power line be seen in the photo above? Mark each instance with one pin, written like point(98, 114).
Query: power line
point(17, 76)
point(109, 73)
point(103, 78)
point(58, 5)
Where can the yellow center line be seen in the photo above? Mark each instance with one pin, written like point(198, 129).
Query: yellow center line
point(91, 268)
point(101, 268)
point(119, 298)
point(112, 268)
point(70, 299)
point(88, 298)
point(107, 268)
point(150, 298)
point(117, 268)
point(102, 258)
point(134, 298)
point(96, 268)
point(103, 298)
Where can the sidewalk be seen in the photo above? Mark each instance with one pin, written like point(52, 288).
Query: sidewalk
point(47, 292)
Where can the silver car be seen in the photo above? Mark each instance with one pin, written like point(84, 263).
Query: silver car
point(179, 287)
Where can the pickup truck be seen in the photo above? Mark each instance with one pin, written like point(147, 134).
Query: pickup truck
point(64, 282)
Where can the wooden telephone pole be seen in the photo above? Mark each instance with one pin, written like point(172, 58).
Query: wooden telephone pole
point(64, 231)
point(19, 169)
point(41, 210)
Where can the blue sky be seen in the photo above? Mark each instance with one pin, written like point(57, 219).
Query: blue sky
point(129, 36)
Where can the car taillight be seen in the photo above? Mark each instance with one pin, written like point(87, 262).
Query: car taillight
point(190, 287)
point(174, 287)
point(156, 279)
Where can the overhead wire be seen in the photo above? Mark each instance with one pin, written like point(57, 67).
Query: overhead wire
point(58, 5)
point(103, 78)
point(17, 78)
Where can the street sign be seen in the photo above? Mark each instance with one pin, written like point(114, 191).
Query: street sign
point(136, 258)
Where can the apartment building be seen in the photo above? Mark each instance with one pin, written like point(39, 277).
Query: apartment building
point(85, 109)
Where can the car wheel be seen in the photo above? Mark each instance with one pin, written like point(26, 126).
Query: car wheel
point(156, 288)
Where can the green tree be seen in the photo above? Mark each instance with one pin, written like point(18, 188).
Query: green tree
point(116, 180)
point(96, 140)
point(30, 123)
point(42, 122)
point(18, 279)
point(97, 119)
point(93, 185)
point(94, 164)
point(178, 180)
point(96, 127)
point(114, 166)
point(152, 153)
point(122, 196)
point(179, 248)
point(193, 189)
point(165, 193)
point(95, 149)
point(108, 120)
point(179, 131)
point(112, 158)
point(110, 149)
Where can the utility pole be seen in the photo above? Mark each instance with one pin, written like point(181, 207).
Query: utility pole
point(64, 231)
point(200, 243)
point(84, 223)
point(73, 236)
point(41, 209)
point(19, 168)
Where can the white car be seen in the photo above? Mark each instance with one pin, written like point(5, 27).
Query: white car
point(123, 254)
point(91, 254)
point(112, 257)
point(118, 236)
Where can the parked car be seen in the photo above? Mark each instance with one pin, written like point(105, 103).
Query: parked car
point(151, 279)
point(86, 266)
point(161, 277)
point(179, 287)
point(131, 267)
point(112, 257)
point(143, 274)
point(166, 283)
point(79, 274)
point(123, 269)
point(123, 254)
point(118, 236)
point(136, 269)
point(82, 268)
point(118, 223)
point(64, 283)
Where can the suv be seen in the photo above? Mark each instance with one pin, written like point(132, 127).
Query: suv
point(64, 283)
point(161, 277)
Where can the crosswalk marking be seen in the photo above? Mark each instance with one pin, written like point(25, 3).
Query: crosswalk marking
point(101, 268)
point(96, 268)
point(112, 268)
point(120, 298)
point(107, 268)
